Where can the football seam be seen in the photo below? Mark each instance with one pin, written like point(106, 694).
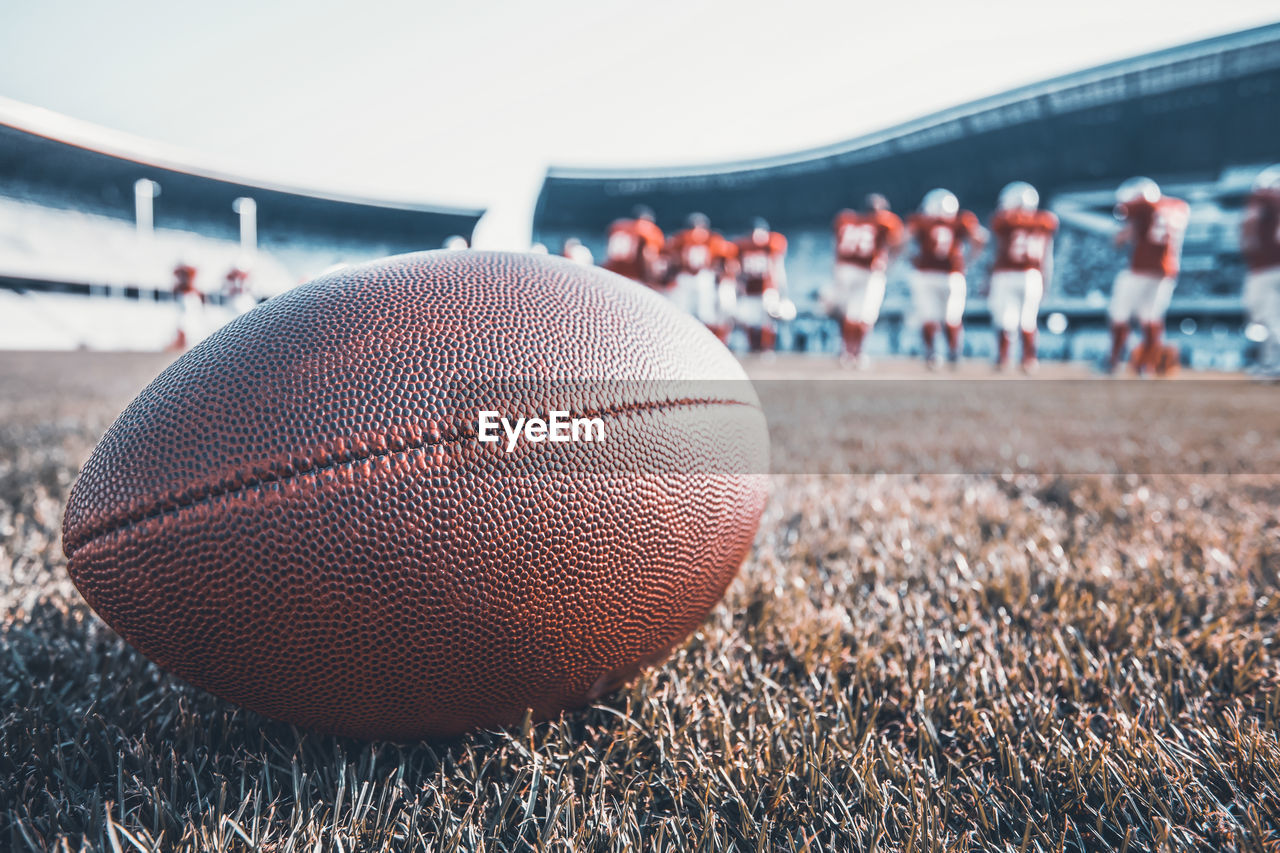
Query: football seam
point(242, 484)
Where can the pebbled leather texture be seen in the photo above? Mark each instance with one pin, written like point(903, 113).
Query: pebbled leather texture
point(297, 516)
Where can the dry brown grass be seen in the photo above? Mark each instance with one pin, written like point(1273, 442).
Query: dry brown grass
point(1021, 662)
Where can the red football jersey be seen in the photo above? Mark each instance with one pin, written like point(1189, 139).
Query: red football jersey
point(630, 243)
point(728, 258)
point(1260, 231)
point(1157, 231)
point(1022, 239)
point(698, 249)
point(236, 282)
point(184, 276)
point(865, 239)
point(757, 262)
point(941, 240)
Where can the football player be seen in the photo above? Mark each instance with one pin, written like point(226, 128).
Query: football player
point(727, 272)
point(762, 280)
point(575, 251)
point(633, 245)
point(236, 290)
point(865, 244)
point(190, 303)
point(1155, 224)
point(942, 231)
point(1260, 240)
point(698, 256)
point(662, 272)
point(1024, 253)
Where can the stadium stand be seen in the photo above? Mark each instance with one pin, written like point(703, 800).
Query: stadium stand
point(78, 270)
point(40, 243)
point(1201, 119)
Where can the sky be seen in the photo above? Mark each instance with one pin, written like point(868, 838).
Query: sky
point(467, 103)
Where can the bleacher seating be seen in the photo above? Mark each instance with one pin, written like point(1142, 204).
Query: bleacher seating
point(53, 244)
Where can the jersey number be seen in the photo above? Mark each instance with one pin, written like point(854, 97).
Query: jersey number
point(858, 241)
point(1027, 247)
point(942, 239)
point(696, 257)
point(755, 264)
point(1167, 229)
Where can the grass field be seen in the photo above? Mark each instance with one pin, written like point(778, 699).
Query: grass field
point(1012, 661)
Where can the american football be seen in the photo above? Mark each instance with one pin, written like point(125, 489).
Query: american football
point(336, 490)
point(585, 427)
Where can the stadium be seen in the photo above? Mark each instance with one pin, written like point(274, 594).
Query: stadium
point(264, 586)
point(95, 221)
point(1202, 119)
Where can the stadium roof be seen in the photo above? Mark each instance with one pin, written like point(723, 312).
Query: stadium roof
point(65, 130)
point(1226, 56)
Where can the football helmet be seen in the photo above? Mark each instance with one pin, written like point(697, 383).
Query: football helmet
point(574, 250)
point(1268, 179)
point(940, 202)
point(698, 220)
point(875, 201)
point(641, 211)
point(1138, 188)
point(760, 231)
point(1019, 195)
point(455, 243)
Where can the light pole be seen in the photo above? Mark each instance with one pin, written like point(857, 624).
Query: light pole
point(144, 192)
point(248, 210)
